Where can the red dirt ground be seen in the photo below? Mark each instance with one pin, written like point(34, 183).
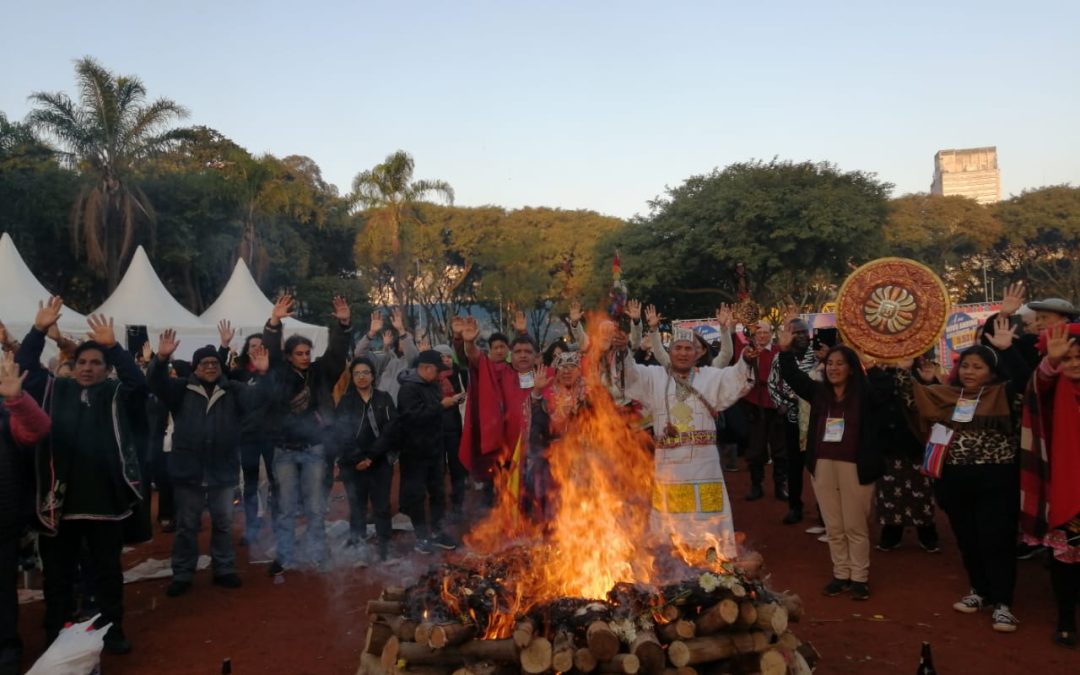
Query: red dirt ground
point(315, 623)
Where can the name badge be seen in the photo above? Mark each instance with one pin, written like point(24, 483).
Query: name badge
point(834, 429)
point(965, 409)
point(525, 380)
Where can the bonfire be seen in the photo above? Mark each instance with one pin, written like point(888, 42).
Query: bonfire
point(596, 587)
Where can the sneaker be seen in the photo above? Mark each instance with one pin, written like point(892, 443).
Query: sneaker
point(423, 546)
point(276, 569)
point(970, 603)
point(860, 590)
point(816, 529)
point(930, 546)
point(885, 546)
point(824, 539)
point(444, 541)
point(228, 581)
point(793, 516)
point(1066, 638)
point(781, 493)
point(177, 588)
point(1004, 620)
point(836, 587)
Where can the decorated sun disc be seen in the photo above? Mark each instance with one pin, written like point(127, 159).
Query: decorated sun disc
point(892, 309)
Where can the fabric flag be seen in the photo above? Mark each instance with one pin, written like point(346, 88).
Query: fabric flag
point(617, 295)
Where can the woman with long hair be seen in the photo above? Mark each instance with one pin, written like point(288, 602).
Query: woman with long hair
point(842, 456)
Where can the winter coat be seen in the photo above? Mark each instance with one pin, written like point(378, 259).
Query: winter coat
point(421, 411)
point(366, 430)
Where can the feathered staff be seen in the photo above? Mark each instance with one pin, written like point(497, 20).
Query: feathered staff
point(617, 294)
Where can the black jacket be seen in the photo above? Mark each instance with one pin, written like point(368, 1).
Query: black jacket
point(421, 411)
point(869, 462)
point(206, 427)
point(296, 422)
point(365, 429)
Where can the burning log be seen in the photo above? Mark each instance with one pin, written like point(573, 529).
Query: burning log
point(523, 633)
point(584, 661)
point(646, 647)
point(450, 634)
point(626, 664)
point(501, 651)
point(669, 613)
point(602, 641)
point(751, 565)
point(718, 617)
point(680, 629)
point(536, 658)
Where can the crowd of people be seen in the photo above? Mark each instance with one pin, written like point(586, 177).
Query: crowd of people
point(992, 439)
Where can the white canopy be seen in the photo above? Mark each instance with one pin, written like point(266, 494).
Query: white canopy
point(243, 304)
point(20, 293)
point(142, 300)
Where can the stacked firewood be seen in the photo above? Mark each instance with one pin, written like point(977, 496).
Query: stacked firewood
point(714, 623)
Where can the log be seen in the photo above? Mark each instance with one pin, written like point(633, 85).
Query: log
point(390, 607)
point(810, 654)
point(584, 661)
point(427, 670)
point(377, 635)
point(743, 642)
point(680, 629)
point(718, 617)
point(747, 615)
point(523, 633)
point(678, 654)
point(502, 651)
point(389, 656)
point(706, 649)
point(646, 647)
point(450, 634)
point(685, 670)
point(423, 632)
point(772, 617)
point(788, 641)
point(624, 664)
point(536, 658)
point(562, 652)
point(602, 641)
point(793, 604)
point(392, 593)
point(406, 629)
point(370, 664)
point(751, 565)
point(669, 613)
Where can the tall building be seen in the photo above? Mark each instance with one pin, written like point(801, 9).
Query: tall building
point(971, 172)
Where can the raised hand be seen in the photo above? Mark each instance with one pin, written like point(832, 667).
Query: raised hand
point(48, 313)
point(397, 320)
point(652, 317)
point(342, 311)
point(167, 344)
point(725, 317)
point(101, 330)
point(424, 343)
point(259, 357)
point(751, 353)
point(520, 325)
point(376, 324)
point(1013, 298)
point(363, 465)
point(633, 309)
point(540, 378)
point(388, 339)
point(226, 332)
point(147, 351)
point(457, 323)
point(283, 309)
point(470, 330)
point(1058, 343)
point(784, 337)
point(1004, 333)
point(927, 370)
point(575, 313)
point(10, 379)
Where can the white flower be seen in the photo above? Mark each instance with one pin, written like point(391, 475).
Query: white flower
point(709, 582)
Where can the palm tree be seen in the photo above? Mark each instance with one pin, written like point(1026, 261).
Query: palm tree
point(105, 136)
point(388, 193)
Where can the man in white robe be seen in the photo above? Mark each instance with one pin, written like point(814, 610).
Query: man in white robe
point(690, 499)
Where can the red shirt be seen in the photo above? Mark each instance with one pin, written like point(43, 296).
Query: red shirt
point(846, 449)
point(759, 394)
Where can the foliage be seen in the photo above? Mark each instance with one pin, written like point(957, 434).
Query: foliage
point(1041, 240)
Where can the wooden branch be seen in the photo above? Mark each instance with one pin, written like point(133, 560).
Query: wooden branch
point(536, 658)
point(602, 641)
point(680, 629)
point(718, 617)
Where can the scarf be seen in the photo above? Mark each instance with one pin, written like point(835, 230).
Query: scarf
point(1049, 449)
point(936, 403)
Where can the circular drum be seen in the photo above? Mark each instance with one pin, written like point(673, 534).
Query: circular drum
point(892, 309)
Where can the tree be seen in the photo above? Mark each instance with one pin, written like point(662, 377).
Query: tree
point(798, 228)
point(952, 235)
point(105, 136)
point(1041, 241)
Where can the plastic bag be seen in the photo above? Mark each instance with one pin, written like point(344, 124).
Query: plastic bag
point(76, 651)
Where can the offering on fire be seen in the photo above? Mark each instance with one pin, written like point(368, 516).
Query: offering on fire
point(592, 585)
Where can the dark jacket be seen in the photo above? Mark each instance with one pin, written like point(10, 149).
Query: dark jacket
point(365, 429)
point(206, 427)
point(869, 462)
point(303, 402)
point(459, 381)
point(16, 455)
point(421, 411)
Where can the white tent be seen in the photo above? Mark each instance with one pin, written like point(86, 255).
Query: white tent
point(142, 300)
point(20, 293)
point(243, 304)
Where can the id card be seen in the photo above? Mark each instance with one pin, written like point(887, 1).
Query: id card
point(965, 409)
point(834, 429)
point(525, 380)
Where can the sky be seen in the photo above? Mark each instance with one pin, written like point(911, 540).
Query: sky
point(588, 105)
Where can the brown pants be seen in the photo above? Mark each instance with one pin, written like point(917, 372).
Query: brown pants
point(845, 508)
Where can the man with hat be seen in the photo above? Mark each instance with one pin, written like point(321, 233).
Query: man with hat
point(690, 499)
point(423, 466)
point(1053, 312)
point(204, 465)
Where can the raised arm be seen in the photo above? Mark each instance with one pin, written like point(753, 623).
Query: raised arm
point(132, 380)
point(28, 423)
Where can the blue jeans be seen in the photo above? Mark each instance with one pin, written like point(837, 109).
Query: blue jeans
point(299, 474)
point(190, 500)
point(250, 454)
